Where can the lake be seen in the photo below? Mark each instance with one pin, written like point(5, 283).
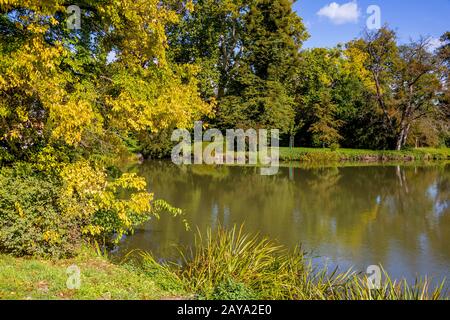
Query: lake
point(347, 216)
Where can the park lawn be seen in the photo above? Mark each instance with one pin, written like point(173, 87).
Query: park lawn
point(36, 279)
point(323, 155)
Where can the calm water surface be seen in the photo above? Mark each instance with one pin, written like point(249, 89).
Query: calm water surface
point(397, 216)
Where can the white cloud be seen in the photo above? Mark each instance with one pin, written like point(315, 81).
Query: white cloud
point(341, 14)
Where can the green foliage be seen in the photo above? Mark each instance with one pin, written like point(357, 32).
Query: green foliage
point(230, 290)
point(404, 83)
point(259, 92)
point(25, 278)
point(156, 145)
point(31, 222)
point(59, 89)
point(209, 35)
point(232, 264)
point(49, 213)
point(247, 51)
point(334, 147)
point(312, 155)
point(229, 265)
point(329, 96)
point(261, 104)
point(355, 96)
point(68, 113)
point(325, 128)
point(371, 93)
point(160, 273)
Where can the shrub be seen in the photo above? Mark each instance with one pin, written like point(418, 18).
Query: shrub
point(49, 212)
point(334, 147)
point(156, 145)
point(244, 264)
point(31, 222)
point(231, 290)
point(229, 264)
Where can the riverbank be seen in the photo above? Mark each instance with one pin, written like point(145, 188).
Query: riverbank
point(39, 279)
point(342, 155)
point(225, 265)
point(356, 155)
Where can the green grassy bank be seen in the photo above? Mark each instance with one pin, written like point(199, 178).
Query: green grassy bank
point(226, 265)
point(33, 278)
point(339, 155)
point(327, 155)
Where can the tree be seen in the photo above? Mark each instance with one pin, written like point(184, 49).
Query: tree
point(325, 128)
point(261, 80)
point(380, 53)
point(72, 94)
point(406, 81)
point(417, 87)
point(444, 54)
point(319, 75)
point(66, 110)
point(208, 35)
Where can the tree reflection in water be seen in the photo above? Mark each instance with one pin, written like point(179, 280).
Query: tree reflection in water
point(398, 216)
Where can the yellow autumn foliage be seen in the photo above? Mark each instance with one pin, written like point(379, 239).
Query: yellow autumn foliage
point(66, 111)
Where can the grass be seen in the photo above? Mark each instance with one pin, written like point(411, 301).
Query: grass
point(339, 155)
point(31, 278)
point(224, 265)
point(326, 155)
point(230, 265)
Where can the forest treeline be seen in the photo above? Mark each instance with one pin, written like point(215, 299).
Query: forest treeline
point(74, 103)
point(371, 92)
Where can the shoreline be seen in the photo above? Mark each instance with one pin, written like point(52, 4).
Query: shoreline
point(34, 278)
point(325, 156)
point(361, 155)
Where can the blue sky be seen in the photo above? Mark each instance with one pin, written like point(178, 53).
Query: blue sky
point(330, 24)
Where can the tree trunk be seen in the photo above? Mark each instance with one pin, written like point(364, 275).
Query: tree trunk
point(402, 137)
point(399, 143)
point(291, 141)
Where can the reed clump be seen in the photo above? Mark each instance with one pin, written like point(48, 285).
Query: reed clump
point(231, 264)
